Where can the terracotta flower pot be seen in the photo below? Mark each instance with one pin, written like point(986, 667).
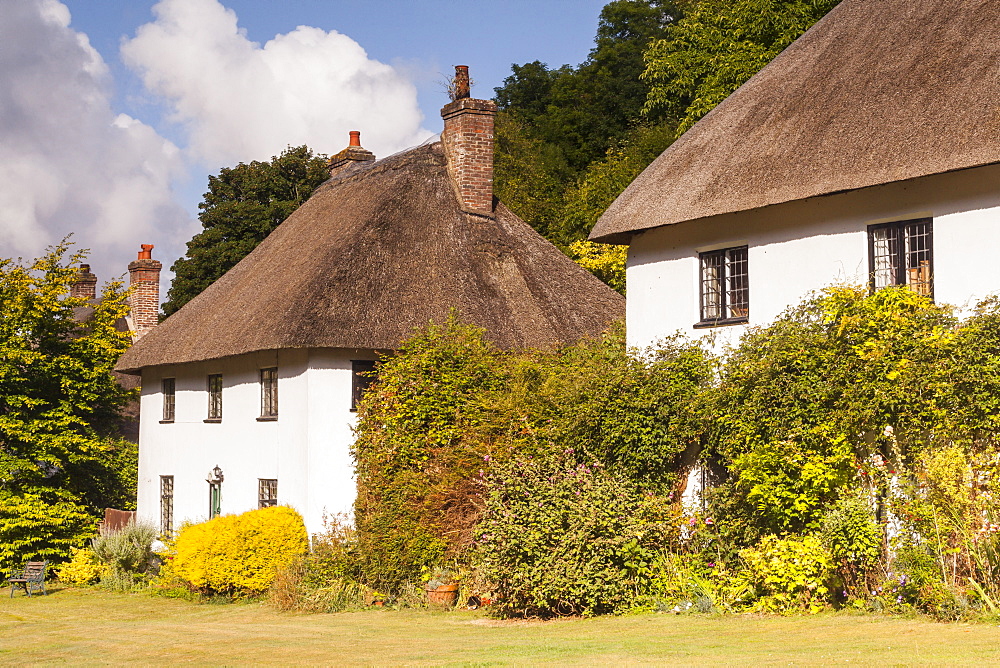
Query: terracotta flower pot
point(444, 595)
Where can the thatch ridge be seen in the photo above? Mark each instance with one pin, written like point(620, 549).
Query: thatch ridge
point(877, 91)
point(376, 252)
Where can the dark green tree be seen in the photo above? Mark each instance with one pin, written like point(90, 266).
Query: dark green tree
point(242, 206)
point(570, 139)
point(585, 110)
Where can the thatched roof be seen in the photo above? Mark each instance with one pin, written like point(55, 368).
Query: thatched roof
point(377, 251)
point(877, 91)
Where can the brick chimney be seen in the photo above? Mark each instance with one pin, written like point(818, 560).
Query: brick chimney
point(144, 302)
point(468, 145)
point(351, 155)
point(85, 285)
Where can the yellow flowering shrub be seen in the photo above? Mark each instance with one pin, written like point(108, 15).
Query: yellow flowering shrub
point(238, 555)
point(82, 569)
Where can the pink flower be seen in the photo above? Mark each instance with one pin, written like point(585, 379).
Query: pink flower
point(709, 520)
point(693, 521)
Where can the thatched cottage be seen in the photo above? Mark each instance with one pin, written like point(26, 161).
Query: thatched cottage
point(868, 151)
point(248, 391)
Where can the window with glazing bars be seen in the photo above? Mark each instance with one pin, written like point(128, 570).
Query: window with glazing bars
point(166, 504)
point(901, 253)
point(269, 392)
point(267, 492)
point(725, 286)
point(215, 396)
point(168, 386)
point(362, 376)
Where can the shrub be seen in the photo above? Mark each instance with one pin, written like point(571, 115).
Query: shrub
point(82, 569)
point(854, 540)
point(43, 526)
point(558, 537)
point(783, 575)
point(126, 554)
point(296, 587)
point(238, 555)
point(414, 453)
point(450, 406)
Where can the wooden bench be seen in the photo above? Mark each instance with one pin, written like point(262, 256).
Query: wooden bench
point(32, 577)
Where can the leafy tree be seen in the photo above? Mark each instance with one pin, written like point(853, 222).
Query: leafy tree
point(570, 139)
point(242, 206)
point(59, 407)
point(716, 47)
point(583, 110)
point(600, 184)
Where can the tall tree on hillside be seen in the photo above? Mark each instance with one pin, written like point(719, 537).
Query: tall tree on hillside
point(242, 206)
point(716, 47)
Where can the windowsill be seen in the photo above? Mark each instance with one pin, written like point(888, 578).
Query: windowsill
point(166, 421)
point(267, 418)
point(213, 420)
point(723, 322)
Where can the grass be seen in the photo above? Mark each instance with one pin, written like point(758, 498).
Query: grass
point(83, 626)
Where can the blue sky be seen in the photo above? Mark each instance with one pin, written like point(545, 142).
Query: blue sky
point(424, 38)
point(118, 110)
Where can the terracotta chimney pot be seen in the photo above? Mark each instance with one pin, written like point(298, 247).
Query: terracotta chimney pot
point(353, 154)
point(461, 82)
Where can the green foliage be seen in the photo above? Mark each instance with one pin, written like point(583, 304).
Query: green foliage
point(716, 47)
point(82, 568)
point(448, 406)
point(414, 457)
point(61, 462)
point(568, 140)
point(603, 180)
point(242, 206)
point(582, 111)
point(843, 379)
point(238, 555)
point(41, 526)
point(602, 260)
point(295, 588)
point(559, 537)
point(783, 575)
point(639, 416)
point(854, 539)
point(125, 554)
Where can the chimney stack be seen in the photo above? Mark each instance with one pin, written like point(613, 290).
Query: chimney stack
point(468, 145)
point(85, 285)
point(144, 302)
point(350, 155)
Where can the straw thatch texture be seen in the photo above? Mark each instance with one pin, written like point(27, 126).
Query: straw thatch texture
point(376, 252)
point(877, 91)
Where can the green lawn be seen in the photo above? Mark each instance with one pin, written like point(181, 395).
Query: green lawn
point(88, 626)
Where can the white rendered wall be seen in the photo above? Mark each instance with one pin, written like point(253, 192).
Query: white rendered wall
point(307, 449)
point(800, 247)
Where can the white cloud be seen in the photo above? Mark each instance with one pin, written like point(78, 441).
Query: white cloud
point(238, 100)
point(68, 162)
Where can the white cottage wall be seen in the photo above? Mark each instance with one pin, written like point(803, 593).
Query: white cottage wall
point(307, 449)
point(800, 247)
point(330, 468)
